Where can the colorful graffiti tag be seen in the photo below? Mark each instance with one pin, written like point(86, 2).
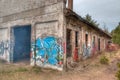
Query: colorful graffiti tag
point(49, 51)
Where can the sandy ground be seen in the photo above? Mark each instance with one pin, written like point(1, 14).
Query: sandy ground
point(90, 69)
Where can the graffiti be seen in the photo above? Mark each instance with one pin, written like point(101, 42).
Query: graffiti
point(32, 54)
point(86, 51)
point(48, 51)
point(93, 48)
point(4, 46)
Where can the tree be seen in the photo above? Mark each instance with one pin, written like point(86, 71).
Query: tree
point(116, 35)
point(105, 28)
point(90, 20)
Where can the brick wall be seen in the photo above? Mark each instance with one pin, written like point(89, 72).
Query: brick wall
point(86, 29)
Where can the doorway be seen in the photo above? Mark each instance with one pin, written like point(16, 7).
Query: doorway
point(86, 40)
point(68, 40)
point(98, 44)
point(76, 38)
point(94, 41)
point(22, 43)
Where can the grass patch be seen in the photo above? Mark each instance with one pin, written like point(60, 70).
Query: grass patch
point(36, 69)
point(104, 60)
point(5, 72)
point(21, 69)
point(13, 71)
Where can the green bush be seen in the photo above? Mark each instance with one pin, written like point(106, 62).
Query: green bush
point(118, 65)
point(118, 72)
point(104, 60)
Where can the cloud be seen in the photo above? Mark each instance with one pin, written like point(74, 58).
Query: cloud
point(104, 11)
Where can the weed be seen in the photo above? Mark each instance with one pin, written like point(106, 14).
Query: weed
point(118, 72)
point(104, 60)
point(118, 65)
point(5, 72)
point(36, 69)
point(21, 70)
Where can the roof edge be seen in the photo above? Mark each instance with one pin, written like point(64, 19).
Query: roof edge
point(69, 12)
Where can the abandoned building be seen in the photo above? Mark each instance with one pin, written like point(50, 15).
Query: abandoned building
point(46, 33)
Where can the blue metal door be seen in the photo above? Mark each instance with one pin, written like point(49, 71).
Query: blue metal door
point(22, 40)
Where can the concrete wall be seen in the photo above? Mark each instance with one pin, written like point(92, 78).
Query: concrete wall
point(47, 20)
point(8, 7)
point(4, 44)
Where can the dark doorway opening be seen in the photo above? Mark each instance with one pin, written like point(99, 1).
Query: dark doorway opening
point(99, 44)
point(94, 41)
point(69, 46)
point(76, 46)
point(76, 38)
point(86, 40)
point(22, 43)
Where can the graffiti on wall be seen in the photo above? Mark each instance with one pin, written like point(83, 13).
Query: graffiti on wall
point(93, 49)
point(5, 50)
point(86, 51)
point(48, 51)
point(4, 47)
point(32, 54)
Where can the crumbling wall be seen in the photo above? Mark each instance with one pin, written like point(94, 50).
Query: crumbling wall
point(47, 22)
point(92, 46)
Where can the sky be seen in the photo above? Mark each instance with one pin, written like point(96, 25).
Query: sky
point(105, 12)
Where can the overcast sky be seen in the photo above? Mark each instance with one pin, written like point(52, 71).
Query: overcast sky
point(105, 12)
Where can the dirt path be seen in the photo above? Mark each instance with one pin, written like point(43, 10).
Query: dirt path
point(90, 69)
